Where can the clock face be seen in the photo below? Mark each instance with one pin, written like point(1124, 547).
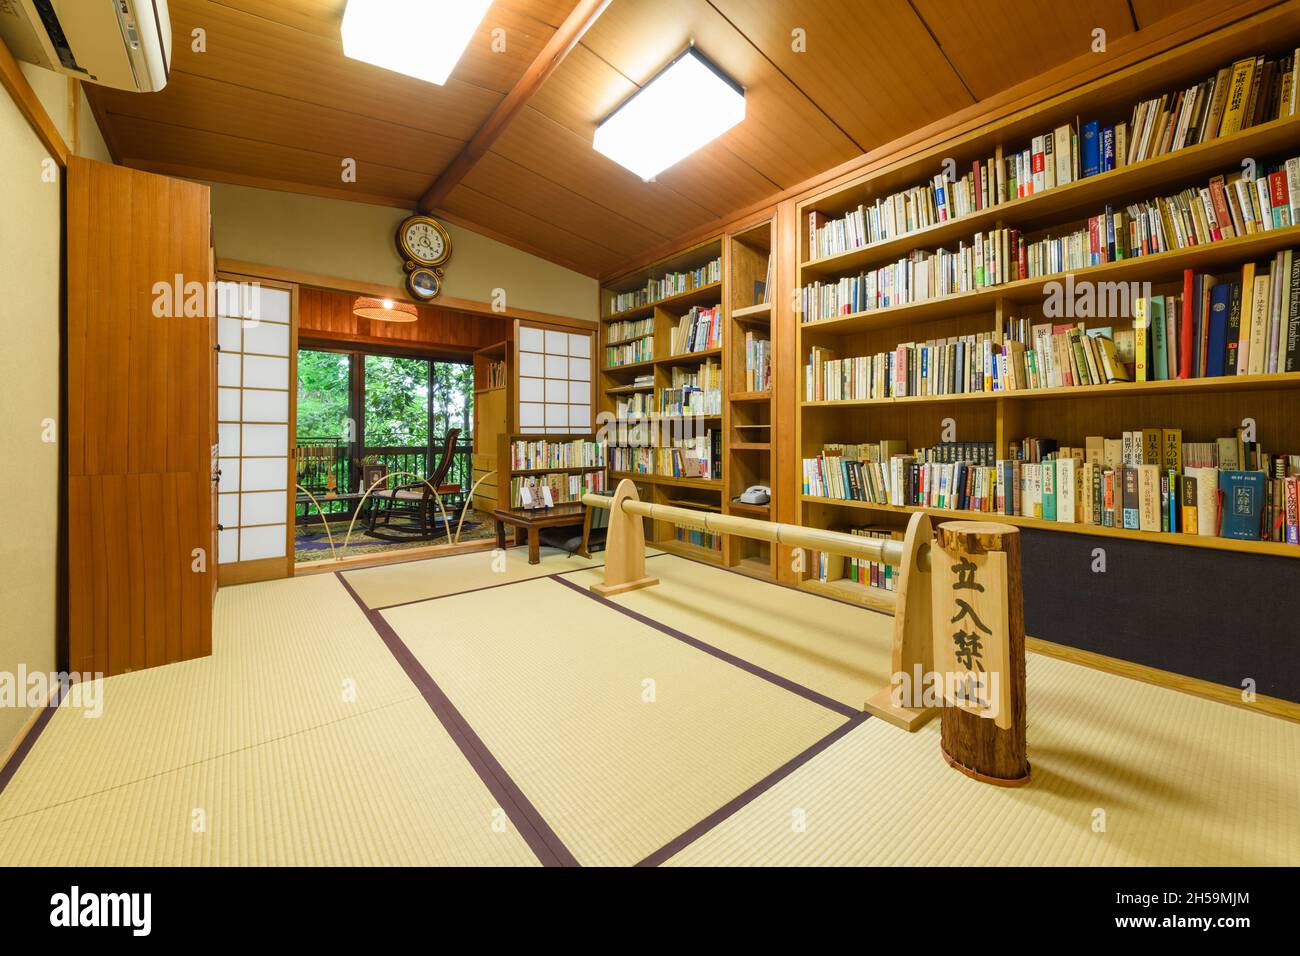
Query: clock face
point(424, 241)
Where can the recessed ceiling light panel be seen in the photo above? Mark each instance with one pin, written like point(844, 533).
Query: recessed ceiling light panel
point(420, 38)
point(688, 104)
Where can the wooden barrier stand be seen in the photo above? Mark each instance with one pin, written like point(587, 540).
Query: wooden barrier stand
point(958, 620)
point(912, 652)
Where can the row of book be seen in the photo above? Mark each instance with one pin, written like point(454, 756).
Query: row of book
point(1195, 216)
point(533, 455)
point(698, 456)
point(1147, 480)
point(1251, 91)
point(709, 540)
point(666, 286)
point(699, 330)
point(635, 405)
point(693, 391)
point(630, 353)
point(627, 329)
point(758, 363)
point(1060, 355)
point(1214, 328)
point(1249, 326)
point(495, 375)
point(544, 491)
point(875, 574)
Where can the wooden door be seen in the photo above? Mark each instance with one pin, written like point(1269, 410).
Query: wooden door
point(139, 399)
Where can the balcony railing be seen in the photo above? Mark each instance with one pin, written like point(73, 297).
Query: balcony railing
point(318, 458)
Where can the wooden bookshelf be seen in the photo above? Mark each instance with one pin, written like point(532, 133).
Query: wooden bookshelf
point(1203, 408)
point(492, 404)
point(617, 382)
point(508, 472)
point(748, 448)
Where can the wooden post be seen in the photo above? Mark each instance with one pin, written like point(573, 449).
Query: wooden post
point(979, 650)
point(913, 653)
point(624, 547)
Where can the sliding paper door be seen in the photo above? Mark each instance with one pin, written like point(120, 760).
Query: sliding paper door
point(554, 385)
point(255, 369)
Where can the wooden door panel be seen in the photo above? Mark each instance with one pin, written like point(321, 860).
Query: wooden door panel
point(140, 394)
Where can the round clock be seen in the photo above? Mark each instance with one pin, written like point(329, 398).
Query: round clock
point(424, 284)
point(423, 241)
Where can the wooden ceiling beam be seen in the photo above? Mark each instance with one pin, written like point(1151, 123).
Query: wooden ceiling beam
point(565, 38)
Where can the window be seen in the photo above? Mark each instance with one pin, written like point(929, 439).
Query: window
point(397, 401)
point(554, 381)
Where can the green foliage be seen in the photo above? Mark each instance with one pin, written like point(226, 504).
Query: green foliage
point(396, 401)
point(322, 394)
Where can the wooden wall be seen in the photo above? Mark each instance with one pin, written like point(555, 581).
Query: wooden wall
point(325, 316)
point(140, 424)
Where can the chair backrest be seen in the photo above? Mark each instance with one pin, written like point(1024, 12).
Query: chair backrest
point(444, 463)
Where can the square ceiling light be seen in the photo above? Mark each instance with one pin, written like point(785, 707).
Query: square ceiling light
point(687, 104)
point(420, 38)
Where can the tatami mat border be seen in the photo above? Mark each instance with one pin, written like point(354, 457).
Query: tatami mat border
point(535, 830)
point(675, 846)
point(489, 587)
point(783, 682)
point(33, 734)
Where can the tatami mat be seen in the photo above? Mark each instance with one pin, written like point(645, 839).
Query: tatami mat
point(287, 656)
point(831, 647)
point(1173, 779)
point(385, 787)
point(553, 683)
point(390, 584)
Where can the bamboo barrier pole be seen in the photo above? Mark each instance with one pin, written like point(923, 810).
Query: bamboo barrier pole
point(885, 551)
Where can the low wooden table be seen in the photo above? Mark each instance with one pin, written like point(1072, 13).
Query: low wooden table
point(533, 521)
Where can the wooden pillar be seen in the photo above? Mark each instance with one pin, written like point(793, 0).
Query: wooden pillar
point(979, 650)
point(624, 547)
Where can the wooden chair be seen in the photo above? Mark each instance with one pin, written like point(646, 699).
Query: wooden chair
point(416, 500)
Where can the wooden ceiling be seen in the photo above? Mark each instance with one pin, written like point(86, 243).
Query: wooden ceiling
point(271, 101)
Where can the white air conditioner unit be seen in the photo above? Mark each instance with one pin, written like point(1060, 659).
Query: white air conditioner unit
point(125, 44)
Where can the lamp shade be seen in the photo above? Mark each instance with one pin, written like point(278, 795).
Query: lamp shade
point(385, 310)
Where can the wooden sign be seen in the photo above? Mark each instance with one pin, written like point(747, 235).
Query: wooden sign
point(972, 643)
point(979, 650)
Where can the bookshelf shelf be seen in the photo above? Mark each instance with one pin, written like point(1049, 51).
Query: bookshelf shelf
point(629, 389)
point(1161, 267)
point(682, 300)
point(1158, 537)
point(1072, 199)
point(707, 555)
point(646, 366)
point(1222, 383)
point(853, 592)
point(751, 396)
point(689, 358)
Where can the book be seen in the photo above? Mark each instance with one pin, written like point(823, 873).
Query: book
point(1091, 149)
point(1189, 505)
point(1243, 502)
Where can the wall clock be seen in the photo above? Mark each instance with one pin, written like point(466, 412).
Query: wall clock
point(424, 245)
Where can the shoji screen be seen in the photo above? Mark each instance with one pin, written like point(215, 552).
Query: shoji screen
point(255, 369)
point(554, 380)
